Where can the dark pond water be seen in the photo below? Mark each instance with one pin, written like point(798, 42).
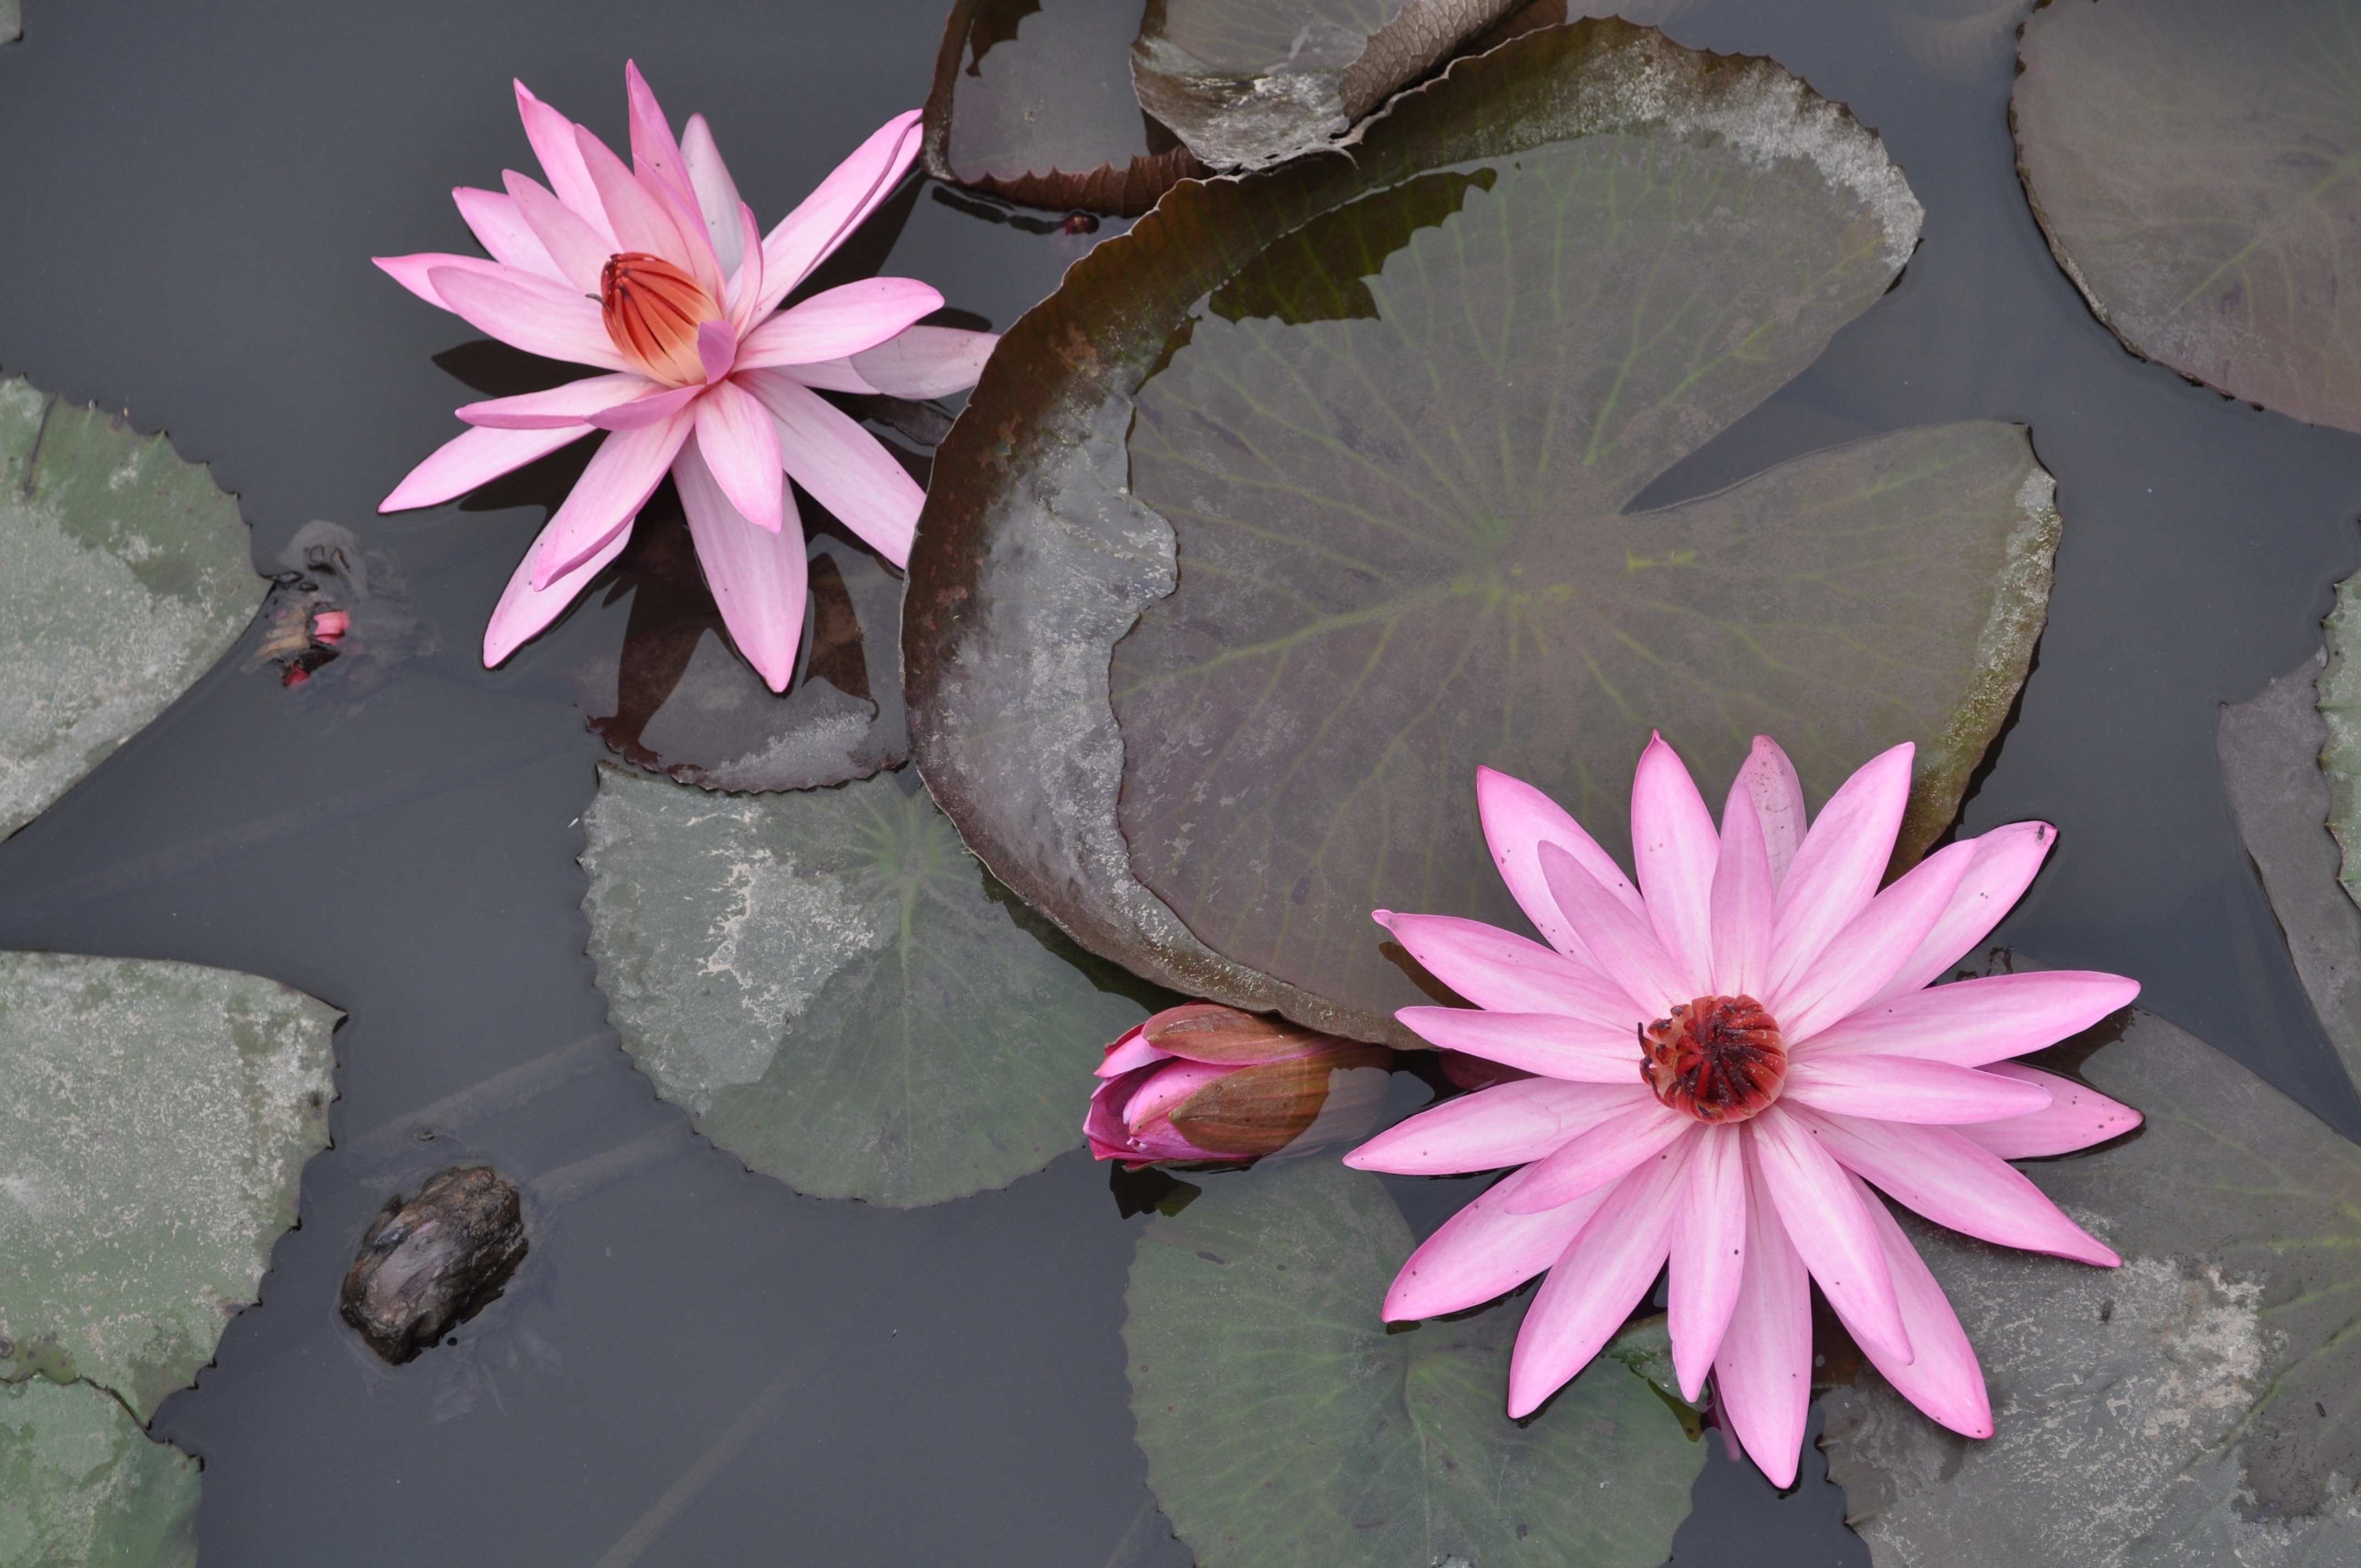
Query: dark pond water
point(695, 1365)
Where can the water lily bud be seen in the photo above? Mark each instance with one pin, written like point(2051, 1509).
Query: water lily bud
point(1204, 1084)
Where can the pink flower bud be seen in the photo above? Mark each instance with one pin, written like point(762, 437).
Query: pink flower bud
point(1204, 1084)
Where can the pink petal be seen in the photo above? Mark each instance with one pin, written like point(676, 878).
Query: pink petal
point(1831, 1228)
point(415, 273)
point(819, 224)
point(578, 251)
point(841, 464)
point(1592, 1288)
point(1770, 781)
point(641, 221)
point(717, 350)
point(838, 321)
point(2003, 867)
point(742, 451)
point(1708, 1255)
point(1743, 898)
point(1602, 1154)
point(1762, 1372)
point(1908, 1089)
point(1624, 944)
point(531, 313)
point(1838, 865)
point(2075, 1118)
point(758, 575)
point(746, 284)
point(1518, 821)
point(623, 474)
point(503, 232)
point(1173, 1083)
point(474, 457)
point(1944, 1176)
point(1864, 955)
point(1103, 1123)
point(1547, 1043)
point(652, 147)
point(1509, 1124)
point(1133, 1050)
point(926, 361)
point(524, 610)
point(1971, 1021)
point(552, 135)
point(717, 193)
point(1674, 848)
point(559, 408)
point(1484, 1251)
point(832, 376)
point(1942, 1378)
point(1502, 971)
point(660, 402)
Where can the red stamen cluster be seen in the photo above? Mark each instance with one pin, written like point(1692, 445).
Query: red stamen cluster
point(652, 310)
point(1720, 1059)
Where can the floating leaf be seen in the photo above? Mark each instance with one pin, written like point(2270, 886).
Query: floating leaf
point(1285, 1426)
point(158, 1117)
point(2200, 1405)
point(2192, 163)
point(1033, 101)
point(835, 991)
point(84, 1486)
point(128, 574)
point(1392, 408)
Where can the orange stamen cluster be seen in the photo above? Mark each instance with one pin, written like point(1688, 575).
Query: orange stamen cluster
point(1719, 1059)
point(652, 310)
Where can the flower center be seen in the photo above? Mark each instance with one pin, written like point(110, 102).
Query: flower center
point(653, 310)
point(1720, 1059)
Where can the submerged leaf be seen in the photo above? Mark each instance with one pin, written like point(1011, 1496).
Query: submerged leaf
point(128, 574)
point(84, 1484)
point(835, 991)
point(1285, 1426)
point(2192, 164)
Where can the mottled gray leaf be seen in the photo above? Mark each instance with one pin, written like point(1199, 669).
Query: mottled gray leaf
point(2200, 1405)
point(835, 991)
point(2193, 165)
point(1285, 1426)
point(82, 1484)
point(127, 576)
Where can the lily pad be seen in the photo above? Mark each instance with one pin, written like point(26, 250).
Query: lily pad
point(835, 991)
point(158, 1117)
point(1033, 101)
point(129, 576)
point(1285, 1426)
point(85, 1486)
point(2200, 1405)
point(2193, 166)
point(2340, 714)
point(1249, 83)
point(1345, 447)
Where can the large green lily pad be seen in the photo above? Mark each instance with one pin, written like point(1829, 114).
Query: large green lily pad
point(1345, 449)
point(158, 1117)
point(835, 991)
point(2193, 164)
point(128, 574)
point(2198, 1406)
point(1285, 1426)
point(80, 1484)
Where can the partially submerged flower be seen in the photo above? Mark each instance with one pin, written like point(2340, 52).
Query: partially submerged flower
point(657, 275)
point(1728, 1056)
point(1207, 1084)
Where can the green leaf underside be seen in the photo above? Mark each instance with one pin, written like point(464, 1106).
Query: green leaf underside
point(2193, 164)
point(1284, 1426)
point(129, 576)
point(158, 1117)
point(836, 992)
point(2200, 1405)
point(84, 1484)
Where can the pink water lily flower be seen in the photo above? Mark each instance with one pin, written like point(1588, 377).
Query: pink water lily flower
point(1728, 1057)
point(656, 275)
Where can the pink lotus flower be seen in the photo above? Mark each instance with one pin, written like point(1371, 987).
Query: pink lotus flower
point(1202, 1083)
point(1727, 1056)
point(657, 275)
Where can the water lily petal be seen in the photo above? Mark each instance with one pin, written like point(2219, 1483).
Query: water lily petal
point(503, 232)
point(1942, 1378)
point(2003, 867)
point(1592, 1287)
point(1501, 971)
point(1762, 1372)
point(839, 322)
point(641, 221)
point(552, 135)
point(652, 147)
point(559, 408)
point(1863, 956)
point(1104, 1125)
point(1674, 848)
point(1910, 1089)
point(1770, 781)
point(2076, 1117)
point(524, 612)
point(741, 447)
point(623, 474)
point(1509, 1124)
point(531, 314)
point(473, 457)
point(1831, 1228)
point(717, 193)
point(1518, 821)
point(1625, 945)
point(841, 464)
point(1952, 1181)
point(1709, 1254)
point(660, 402)
point(1131, 1051)
point(415, 273)
point(822, 220)
point(746, 283)
point(1838, 867)
point(758, 573)
point(1485, 1251)
point(578, 251)
point(1743, 898)
point(924, 362)
point(1602, 1154)
point(1548, 1043)
point(1971, 1021)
